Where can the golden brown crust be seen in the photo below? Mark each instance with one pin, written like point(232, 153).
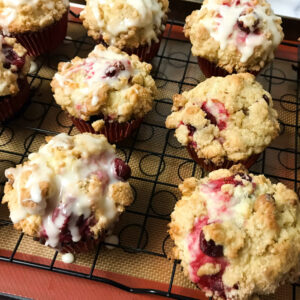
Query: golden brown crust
point(245, 121)
point(260, 236)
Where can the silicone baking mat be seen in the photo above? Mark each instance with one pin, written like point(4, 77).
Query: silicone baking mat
point(138, 262)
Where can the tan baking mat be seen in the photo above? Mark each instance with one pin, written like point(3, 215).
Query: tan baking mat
point(158, 163)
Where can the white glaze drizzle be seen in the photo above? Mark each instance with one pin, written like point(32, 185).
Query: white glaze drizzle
point(223, 28)
point(68, 258)
point(150, 15)
point(66, 200)
point(93, 69)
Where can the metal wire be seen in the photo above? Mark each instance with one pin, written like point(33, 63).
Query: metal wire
point(154, 179)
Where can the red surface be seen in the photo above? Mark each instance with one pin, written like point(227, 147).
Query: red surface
point(42, 284)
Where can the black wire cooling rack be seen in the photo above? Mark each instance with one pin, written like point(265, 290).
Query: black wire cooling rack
point(280, 161)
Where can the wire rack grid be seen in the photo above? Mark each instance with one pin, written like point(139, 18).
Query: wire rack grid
point(175, 66)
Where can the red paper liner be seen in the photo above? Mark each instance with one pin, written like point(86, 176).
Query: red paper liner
point(10, 105)
point(114, 131)
point(210, 69)
point(45, 40)
point(145, 53)
point(210, 166)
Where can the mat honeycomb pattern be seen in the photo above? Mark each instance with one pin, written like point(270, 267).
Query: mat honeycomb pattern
point(158, 165)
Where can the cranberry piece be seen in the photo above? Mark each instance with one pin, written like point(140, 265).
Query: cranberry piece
point(191, 129)
point(245, 176)
point(242, 27)
point(214, 283)
point(193, 144)
point(119, 66)
point(209, 247)
point(12, 58)
point(222, 125)
point(266, 98)
point(121, 169)
point(84, 225)
point(217, 184)
point(246, 28)
point(209, 116)
point(114, 69)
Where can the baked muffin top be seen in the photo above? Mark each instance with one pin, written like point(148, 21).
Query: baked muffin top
point(14, 65)
point(125, 23)
point(237, 35)
point(69, 179)
point(107, 82)
point(18, 16)
point(237, 233)
point(222, 118)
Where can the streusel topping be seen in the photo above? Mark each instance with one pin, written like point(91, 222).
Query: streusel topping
point(237, 234)
point(222, 118)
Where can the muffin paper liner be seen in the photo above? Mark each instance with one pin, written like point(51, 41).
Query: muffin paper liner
point(10, 105)
point(145, 53)
point(45, 40)
point(210, 166)
point(114, 131)
point(210, 69)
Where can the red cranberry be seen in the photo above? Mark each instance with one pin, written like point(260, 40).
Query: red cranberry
point(217, 184)
point(209, 247)
point(121, 169)
point(209, 116)
point(191, 129)
point(248, 29)
point(114, 69)
point(213, 283)
point(12, 58)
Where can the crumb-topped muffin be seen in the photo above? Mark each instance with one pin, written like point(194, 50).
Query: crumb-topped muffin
point(39, 25)
point(224, 120)
point(107, 92)
point(133, 26)
point(237, 234)
point(70, 192)
point(234, 35)
point(14, 88)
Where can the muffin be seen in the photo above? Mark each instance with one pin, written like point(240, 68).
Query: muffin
point(108, 92)
point(224, 120)
point(237, 234)
point(14, 88)
point(233, 36)
point(135, 27)
point(40, 25)
point(69, 193)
